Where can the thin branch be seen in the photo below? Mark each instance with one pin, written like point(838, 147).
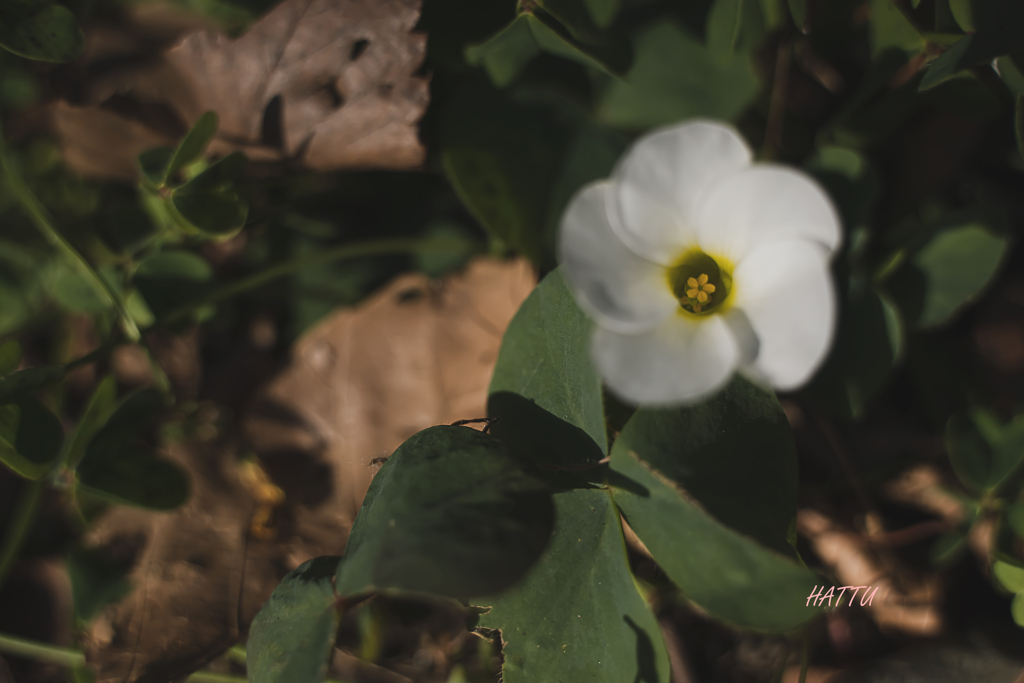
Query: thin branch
point(45, 224)
point(340, 253)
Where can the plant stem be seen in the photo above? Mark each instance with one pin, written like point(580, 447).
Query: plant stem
point(408, 245)
point(20, 525)
point(777, 105)
point(65, 656)
point(41, 652)
point(62, 656)
point(44, 222)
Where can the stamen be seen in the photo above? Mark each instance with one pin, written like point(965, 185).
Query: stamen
point(699, 293)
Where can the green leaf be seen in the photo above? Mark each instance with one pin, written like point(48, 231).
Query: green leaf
point(207, 203)
point(74, 293)
point(214, 212)
point(1015, 518)
point(193, 145)
point(711, 491)
point(729, 575)
point(948, 273)
point(21, 383)
point(514, 164)
point(603, 12)
point(891, 29)
point(798, 8)
point(30, 437)
point(963, 14)
point(219, 174)
point(153, 164)
point(134, 414)
point(733, 453)
point(97, 580)
point(984, 453)
point(10, 356)
point(1017, 609)
point(449, 513)
point(132, 475)
point(169, 279)
point(119, 467)
point(293, 633)
point(725, 21)
point(40, 31)
point(578, 616)
point(1008, 70)
point(506, 54)
point(869, 342)
point(565, 30)
point(998, 30)
point(545, 390)
point(1011, 577)
point(97, 411)
point(658, 91)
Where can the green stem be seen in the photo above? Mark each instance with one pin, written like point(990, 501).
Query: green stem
point(409, 245)
point(63, 656)
point(41, 652)
point(44, 222)
point(19, 528)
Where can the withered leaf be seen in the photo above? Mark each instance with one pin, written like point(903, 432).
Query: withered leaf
point(416, 354)
point(329, 84)
point(344, 73)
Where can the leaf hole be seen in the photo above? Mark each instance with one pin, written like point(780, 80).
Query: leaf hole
point(272, 125)
point(358, 48)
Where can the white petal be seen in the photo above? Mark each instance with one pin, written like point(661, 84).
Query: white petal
point(619, 289)
point(679, 361)
point(764, 204)
point(786, 291)
point(660, 182)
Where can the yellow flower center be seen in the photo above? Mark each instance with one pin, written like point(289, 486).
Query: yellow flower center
point(699, 282)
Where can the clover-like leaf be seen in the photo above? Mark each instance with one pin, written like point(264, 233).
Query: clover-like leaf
point(292, 635)
point(30, 437)
point(947, 273)
point(713, 486)
point(578, 615)
point(545, 391)
point(449, 513)
point(39, 30)
point(192, 145)
point(983, 451)
point(997, 29)
point(656, 91)
point(168, 279)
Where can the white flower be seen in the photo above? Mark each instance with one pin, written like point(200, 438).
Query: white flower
point(696, 263)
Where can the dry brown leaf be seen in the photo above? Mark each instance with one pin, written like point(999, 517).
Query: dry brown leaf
point(849, 555)
point(199, 577)
point(344, 70)
point(416, 354)
point(101, 143)
point(330, 84)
